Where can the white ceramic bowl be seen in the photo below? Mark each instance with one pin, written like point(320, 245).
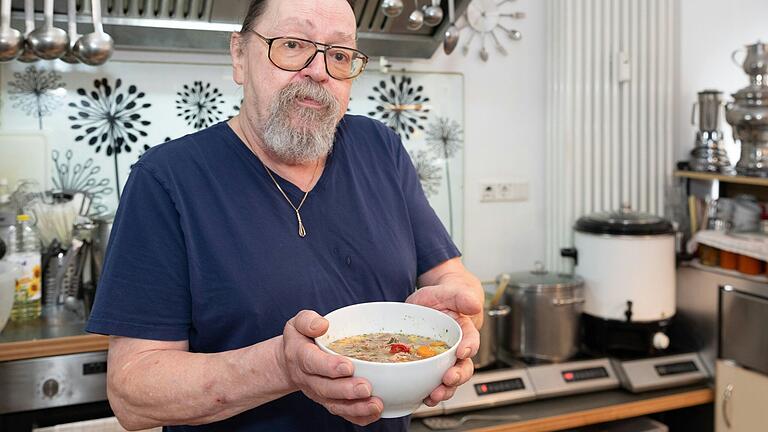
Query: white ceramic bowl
point(8, 274)
point(401, 386)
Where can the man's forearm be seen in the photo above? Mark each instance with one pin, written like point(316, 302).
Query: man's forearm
point(174, 387)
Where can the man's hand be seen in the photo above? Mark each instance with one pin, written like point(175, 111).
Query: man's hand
point(324, 378)
point(451, 289)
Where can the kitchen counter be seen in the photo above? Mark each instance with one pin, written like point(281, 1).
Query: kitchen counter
point(46, 337)
point(582, 410)
point(42, 338)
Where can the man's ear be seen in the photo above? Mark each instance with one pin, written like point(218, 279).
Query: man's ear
point(237, 51)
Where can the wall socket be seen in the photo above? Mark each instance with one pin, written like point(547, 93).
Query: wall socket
point(503, 192)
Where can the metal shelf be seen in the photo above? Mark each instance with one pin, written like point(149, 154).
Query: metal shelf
point(754, 181)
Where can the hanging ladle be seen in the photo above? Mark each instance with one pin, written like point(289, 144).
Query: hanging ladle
point(95, 48)
point(433, 14)
point(48, 42)
point(11, 41)
point(452, 33)
point(27, 56)
point(416, 18)
point(392, 8)
point(69, 56)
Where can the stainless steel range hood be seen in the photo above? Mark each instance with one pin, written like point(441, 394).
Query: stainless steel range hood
point(205, 25)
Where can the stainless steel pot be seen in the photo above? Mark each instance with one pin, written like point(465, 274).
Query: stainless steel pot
point(495, 320)
point(100, 241)
point(545, 315)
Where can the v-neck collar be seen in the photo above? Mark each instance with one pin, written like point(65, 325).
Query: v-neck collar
point(291, 189)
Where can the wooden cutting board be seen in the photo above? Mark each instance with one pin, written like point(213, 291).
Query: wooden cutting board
point(25, 156)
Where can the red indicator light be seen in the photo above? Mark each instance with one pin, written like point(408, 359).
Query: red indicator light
point(568, 376)
point(484, 388)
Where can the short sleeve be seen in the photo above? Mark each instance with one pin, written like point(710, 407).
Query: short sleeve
point(433, 242)
point(144, 287)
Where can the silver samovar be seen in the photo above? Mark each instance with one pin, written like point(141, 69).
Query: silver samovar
point(748, 113)
point(708, 154)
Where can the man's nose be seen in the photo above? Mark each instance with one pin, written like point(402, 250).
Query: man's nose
point(316, 68)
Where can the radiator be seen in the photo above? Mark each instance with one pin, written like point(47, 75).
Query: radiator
point(610, 74)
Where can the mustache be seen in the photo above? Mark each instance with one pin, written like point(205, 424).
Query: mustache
point(308, 89)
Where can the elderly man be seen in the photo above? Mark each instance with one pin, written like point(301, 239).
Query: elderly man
point(230, 243)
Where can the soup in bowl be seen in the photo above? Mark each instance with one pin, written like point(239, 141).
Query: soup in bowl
point(402, 349)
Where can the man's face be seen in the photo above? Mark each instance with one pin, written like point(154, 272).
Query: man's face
point(330, 22)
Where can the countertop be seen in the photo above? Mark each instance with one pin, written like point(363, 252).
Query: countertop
point(582, 410)
point(47, 337)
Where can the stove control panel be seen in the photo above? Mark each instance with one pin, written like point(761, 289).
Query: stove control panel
point(521, 383)
point(661, 372)
point(486, 388)
point(573, 377)
point(492, 388)
point(55, 381)
point(676, 368)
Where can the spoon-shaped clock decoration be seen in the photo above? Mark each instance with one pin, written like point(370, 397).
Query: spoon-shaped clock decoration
point(489, 23)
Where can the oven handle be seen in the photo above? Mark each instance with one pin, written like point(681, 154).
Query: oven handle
point(726, 408)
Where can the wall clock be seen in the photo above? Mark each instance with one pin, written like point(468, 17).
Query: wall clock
point(488, 22)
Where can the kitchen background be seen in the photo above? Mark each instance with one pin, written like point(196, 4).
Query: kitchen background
point(502, 119)
point(498, 119)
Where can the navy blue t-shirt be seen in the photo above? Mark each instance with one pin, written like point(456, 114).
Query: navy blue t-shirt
point(204, 248)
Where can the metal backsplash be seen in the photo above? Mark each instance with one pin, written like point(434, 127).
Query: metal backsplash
point(205, 25)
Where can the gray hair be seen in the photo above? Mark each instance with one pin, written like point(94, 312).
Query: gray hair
point(256, 9)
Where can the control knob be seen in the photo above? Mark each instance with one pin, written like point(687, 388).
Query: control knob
point(50, 387)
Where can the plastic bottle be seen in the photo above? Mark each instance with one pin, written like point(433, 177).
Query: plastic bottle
point(7, 215)
point(25, 250)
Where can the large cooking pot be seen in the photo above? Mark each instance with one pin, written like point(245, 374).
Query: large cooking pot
point(544, 319)
point(627, 260)
point(100, 236)
point(494, 320)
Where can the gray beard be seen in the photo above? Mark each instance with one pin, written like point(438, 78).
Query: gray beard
point(295, 134)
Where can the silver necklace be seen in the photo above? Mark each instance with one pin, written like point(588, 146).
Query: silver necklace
point(302, 230)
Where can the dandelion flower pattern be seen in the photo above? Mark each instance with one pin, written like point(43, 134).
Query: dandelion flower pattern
point(80, 177)
point(400, 105)
point(199, 104)
point(444, 137)
point(36, 92)
point(110, 118)
point(428, 171)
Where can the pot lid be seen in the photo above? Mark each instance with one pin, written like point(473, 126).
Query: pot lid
point(540, 279)
point(624, 222)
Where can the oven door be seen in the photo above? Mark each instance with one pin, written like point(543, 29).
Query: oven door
point(29, 421)
point(53, 390)
point(103, 425)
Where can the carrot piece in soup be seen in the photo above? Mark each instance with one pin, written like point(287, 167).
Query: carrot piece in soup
point(425, 351)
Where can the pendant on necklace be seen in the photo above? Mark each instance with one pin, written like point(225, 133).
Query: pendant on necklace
point(302, 231)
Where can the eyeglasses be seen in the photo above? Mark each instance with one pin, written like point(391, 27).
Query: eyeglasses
point(294, 54)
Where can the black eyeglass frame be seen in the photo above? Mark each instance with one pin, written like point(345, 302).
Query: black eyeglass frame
point(317, 45)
